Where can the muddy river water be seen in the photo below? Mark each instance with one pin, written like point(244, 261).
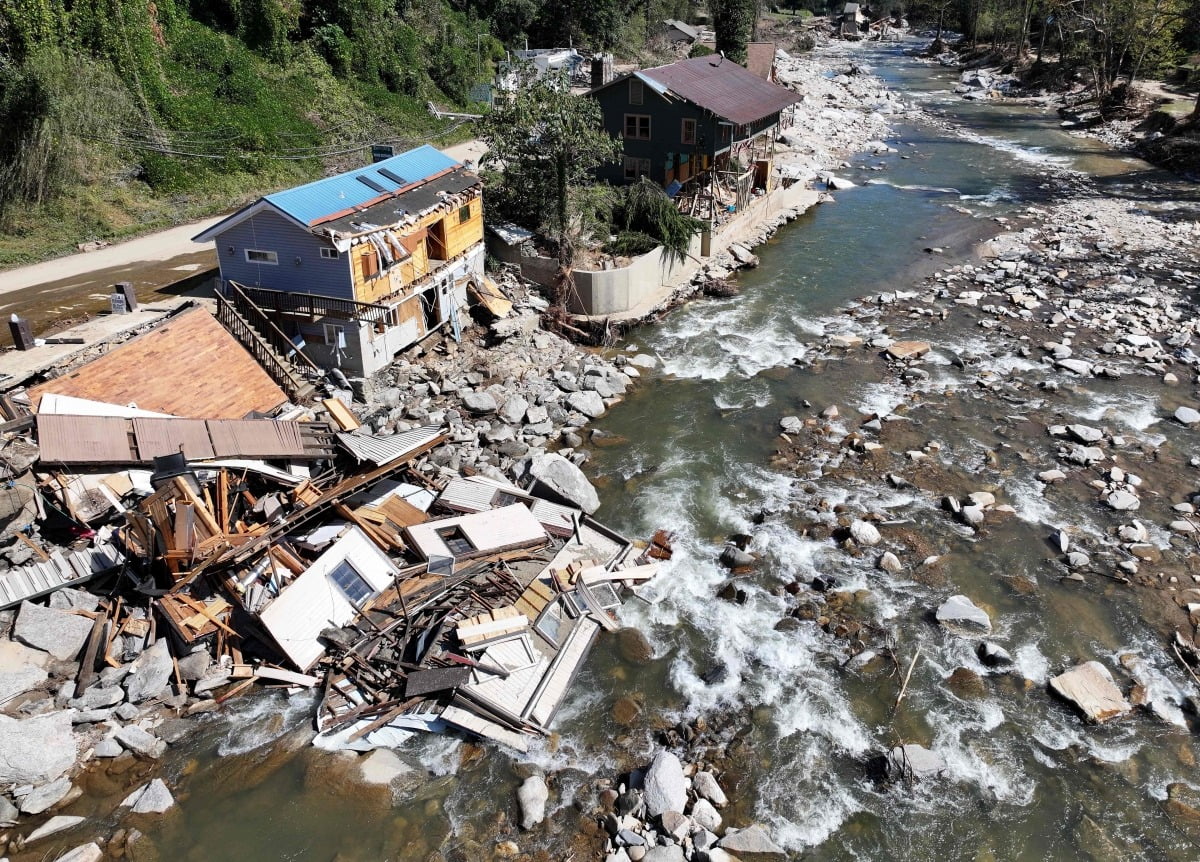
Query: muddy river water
point(691, 450)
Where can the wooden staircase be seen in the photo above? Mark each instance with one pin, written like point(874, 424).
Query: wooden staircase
point(263, 339)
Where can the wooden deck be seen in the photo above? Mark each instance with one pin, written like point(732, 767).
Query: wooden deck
point(188, 367)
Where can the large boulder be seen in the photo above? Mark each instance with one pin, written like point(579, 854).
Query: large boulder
point(961, 615)
point(1090, 688)
point(60, 633)
point(45, 797)
point(753, 844)
point(14, 683)
point(588, 402)
point(864, 533)
point(706, 787)
point(480, 403)
point(562, 480)
point(532, 796)
point(150, 672)
point(665, 785)
point(36, 750)
point(140, 741)
point(914, 760)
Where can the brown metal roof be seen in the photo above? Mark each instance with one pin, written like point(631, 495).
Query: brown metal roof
point(157, 437)
point(760, 57)
point(251, 439)
point(723, 87)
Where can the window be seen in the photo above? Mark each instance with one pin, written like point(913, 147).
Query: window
point(335, 336)
point(351, 583)
point(550, 623)
point(330, 253)
point(635, 168)
point(254, 255)
point(464, 214)
point(688, 134)
point(636, 91)
point(456, 541)
point(637, 127)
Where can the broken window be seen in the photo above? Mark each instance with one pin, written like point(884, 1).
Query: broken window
point(352, 584)
point(550, 623)
point(688, 134)
point(636, 91)
point(635, 168)
point(254, 255)
point(455, 540)
point(464, 214)
point(637, 127)
point(335, 336)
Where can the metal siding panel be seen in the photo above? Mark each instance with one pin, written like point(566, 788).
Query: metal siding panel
point(256, 438)
point(270, 232)
point(157, 437)
point(83, 439)
point(383, 449)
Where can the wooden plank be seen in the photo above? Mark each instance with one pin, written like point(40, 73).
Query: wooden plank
point(34, 546)
point(341, 414)
point(290, 677)
point(203, 609)
point(401, 512)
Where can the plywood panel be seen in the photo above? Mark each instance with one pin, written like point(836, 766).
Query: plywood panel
point(188, 367)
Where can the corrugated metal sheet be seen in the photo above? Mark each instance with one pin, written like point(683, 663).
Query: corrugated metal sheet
point(316, 200)
point(723, 87)
point(380, 449)
point(477, 494)
point(157, 437)
point(255, 439)
point(84, 439)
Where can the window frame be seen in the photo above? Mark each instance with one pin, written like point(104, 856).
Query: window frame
point(455, 533)
point(347, 565)
point(684, 137)
point(634, 167)
point(637, 126)
point(270, 258)
point(638, 86)
point(464, 214)
point(334, 328)
point(330, 253)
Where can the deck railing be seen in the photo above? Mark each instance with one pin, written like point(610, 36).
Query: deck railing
point(239, 297)
point(312, 305)
point(272, 362)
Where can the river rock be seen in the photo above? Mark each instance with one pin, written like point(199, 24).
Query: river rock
point(1075, 366)
point(1085, 433)
point(734, 557)
point(706, 787)
point(14, 683)
point(1187, 415)
point(60, 633)
point(1091, 689)
point(908, 349)
point(152, 798)
point(665, 786)
point(84, 853)
point(864, 533)
point(753, 844)
point(915, 760)
point(36, 750)
point(889, 562)
point(108, 747)
point(706, 815)
point(791, 425)
point(532, 796)
point(513, 410)
point(8, 812)
point(45, 797)
point(993, 655)
point(1122, 501)
point(382, 767)
point(677, 825)
point(563, 480)
point(588, 402)
point(55, 824)
point(140, 741)
point(149, 673)
point(480, 403)
point(643, 360)
point(961, 615)
point(668, 853)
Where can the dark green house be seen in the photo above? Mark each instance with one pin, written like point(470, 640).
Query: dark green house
point(683, 121)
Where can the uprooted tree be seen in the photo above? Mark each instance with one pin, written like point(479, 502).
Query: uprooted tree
point(542, 143)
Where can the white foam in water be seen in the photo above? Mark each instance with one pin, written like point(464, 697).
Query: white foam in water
point(1028, 497)
point(1133, 410)
point(255, 722)
point(1031, 664)
point(1021, 152)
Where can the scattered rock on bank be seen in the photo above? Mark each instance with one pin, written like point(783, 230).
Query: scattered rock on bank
point(962, 616)
point(532, 796)
point(665, 785)
point(36, 750)
point(752, 844)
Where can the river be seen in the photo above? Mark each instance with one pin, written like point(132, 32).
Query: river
point(691, 451)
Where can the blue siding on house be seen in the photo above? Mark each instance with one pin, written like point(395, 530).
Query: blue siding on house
point(666, 130)
point(267, 231)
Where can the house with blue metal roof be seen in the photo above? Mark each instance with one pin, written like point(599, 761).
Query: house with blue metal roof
point(352, 268)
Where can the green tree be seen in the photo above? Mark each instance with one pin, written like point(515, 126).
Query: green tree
point(733, 23)
point(543, 142)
